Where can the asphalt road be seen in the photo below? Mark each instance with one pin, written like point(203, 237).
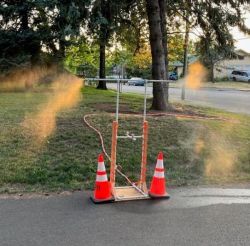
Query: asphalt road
point(228, 99)
point(197, 216)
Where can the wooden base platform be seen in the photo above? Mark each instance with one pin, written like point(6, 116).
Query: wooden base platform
point(128, 193)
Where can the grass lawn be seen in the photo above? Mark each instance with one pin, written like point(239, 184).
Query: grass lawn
point(196, 151)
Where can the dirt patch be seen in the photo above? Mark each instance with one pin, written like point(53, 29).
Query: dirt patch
point(183, 115)
point(175, 111)
point(124, 108)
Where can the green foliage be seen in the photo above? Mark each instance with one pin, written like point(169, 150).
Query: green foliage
point(211, 51)
point(216, 17)
point(120, 56)
point(64, 19)
point(30, 27)
point(132, 31)
point(175, 47)
point(82, 58)
point(106, 17)
point(18, 42)
point(42, 31)
point(135, 65)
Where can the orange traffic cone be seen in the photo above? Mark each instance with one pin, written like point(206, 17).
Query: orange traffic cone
point(102, 192)
point(158, 186)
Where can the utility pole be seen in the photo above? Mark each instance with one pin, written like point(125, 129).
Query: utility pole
point(185, 58)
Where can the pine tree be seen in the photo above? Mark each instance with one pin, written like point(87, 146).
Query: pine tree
point(28, 25)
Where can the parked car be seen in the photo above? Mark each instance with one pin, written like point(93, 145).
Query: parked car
point(240, 75)
point(136, 81)
point(172, 76)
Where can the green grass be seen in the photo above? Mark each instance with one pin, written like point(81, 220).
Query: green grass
point(67, 160)
point(228, 85)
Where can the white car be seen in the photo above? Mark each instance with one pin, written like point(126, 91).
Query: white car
point(136, 81)
point(240, 75)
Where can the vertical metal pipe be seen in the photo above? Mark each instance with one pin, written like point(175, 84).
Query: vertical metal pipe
point(117, 100)
point(142, 182)
point(113, 155)
point(145, 100)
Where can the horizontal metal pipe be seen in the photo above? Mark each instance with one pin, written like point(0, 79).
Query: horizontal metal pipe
point(129, 136)
point(154, 81)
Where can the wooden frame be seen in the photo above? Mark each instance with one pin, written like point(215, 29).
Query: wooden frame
point(139, 190)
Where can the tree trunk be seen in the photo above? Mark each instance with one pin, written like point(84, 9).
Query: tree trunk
point(157, 52)
point(103, 39)
point(61, 52)
point(102, 60)
point(212, 72)
point(61, 55)
point(162, 5)
point(24, 16)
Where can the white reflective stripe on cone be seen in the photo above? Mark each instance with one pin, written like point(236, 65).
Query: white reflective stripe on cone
point(159, 174)
point(159, 164)
point(101, 167)
point(101, 178)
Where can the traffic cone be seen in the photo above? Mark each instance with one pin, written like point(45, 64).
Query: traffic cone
point(102, 192)
point(158, 185)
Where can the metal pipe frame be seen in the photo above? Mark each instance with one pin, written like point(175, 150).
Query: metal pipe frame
point(117, 101)
point(148, 80)
point(142, 186)
point(145, 100)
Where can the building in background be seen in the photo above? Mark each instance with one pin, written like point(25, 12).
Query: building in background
point(177, 66)
point(240, 61)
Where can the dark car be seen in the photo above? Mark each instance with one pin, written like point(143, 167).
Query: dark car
point(136, 81)
point(173, 76)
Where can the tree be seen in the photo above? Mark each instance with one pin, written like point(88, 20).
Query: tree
point(141, 62)
point(19, 42)
point(106, 17)
point(82, 58)
point(27, 26)
point(176, 48)
point(212, 52)
point(215, 19)
point(62, 20)
point(101, 25)
point(157, 51)
point(132, 31)
point(214, 15)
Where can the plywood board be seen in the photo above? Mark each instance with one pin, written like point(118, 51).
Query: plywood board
point(128, 193)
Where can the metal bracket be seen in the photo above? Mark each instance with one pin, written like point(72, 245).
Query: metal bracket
point(130, 136)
